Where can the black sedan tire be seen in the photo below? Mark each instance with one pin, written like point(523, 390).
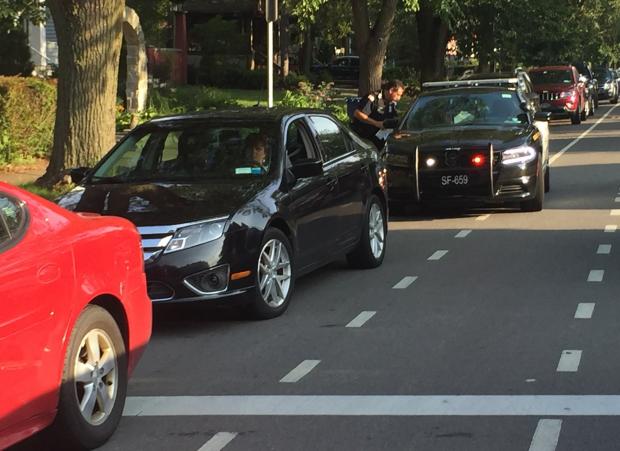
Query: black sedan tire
point(370, 250)
point(275, 277)
point(94, 382)
point(536, 203)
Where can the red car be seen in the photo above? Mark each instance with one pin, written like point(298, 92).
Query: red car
point(74, 320)
point(561, 92)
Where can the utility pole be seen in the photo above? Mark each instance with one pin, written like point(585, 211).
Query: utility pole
point(271, 15)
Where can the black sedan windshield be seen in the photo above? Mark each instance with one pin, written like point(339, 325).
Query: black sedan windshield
point(192, 152)
point(457, 109)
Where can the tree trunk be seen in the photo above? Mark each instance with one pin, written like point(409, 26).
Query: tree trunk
point(89, 43)
point(307, 49)
point(372, 42)
point(432, 38)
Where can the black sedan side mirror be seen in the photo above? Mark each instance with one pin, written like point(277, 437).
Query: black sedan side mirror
point(307, 168)
point(78, 174)
point(542, 116)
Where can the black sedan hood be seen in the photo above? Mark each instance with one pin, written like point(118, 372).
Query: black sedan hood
point(469, 136)
point(147, 204)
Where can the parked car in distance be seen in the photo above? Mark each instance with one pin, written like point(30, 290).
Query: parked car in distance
point(74, 320)
point(561, 92)
point(590, 81)
point(468, 143)
point(221, 223)
point(607, 84)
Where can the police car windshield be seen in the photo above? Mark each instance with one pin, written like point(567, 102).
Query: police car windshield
point(463, 108)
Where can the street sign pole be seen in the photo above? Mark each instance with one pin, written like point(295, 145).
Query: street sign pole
point(271, 15)
point(270, 64)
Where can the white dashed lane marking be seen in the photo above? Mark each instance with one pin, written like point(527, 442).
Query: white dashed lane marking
point(614, 212)
point(361, 319)
point(483, 217)
point(585, 310)
point(604, 249)
point(405, 282)
point(218, 441)
point(546, 435)
point(438, 255)
point(611, 228)
point(617, 199)
point(462, 234)
point(569, 361)
point(300, 371)
point(376, 405)
point(596, 275)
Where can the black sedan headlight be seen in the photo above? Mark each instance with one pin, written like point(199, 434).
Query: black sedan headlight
point(196, 234)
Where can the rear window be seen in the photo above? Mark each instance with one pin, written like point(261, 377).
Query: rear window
point(552, 77)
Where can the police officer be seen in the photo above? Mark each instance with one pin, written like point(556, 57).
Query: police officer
point(374, 109)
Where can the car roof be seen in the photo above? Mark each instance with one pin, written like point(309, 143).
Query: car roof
point(258, 114)
point(468, 90)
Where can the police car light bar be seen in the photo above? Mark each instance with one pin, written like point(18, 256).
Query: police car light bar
point(464, 83)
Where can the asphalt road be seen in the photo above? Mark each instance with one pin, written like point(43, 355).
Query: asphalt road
point(485, 329)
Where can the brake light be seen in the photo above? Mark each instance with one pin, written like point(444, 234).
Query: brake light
point(477, 160)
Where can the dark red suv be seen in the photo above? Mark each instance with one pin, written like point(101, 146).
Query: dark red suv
point(561, 92)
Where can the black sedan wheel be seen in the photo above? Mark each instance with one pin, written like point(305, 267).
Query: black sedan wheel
point(536, 203)
point(94, 382)
point(370, 251)
point(274, 276)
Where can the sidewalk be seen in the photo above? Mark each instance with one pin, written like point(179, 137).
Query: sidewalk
point(24, 174)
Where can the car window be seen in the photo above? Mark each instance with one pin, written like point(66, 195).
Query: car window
point(543, 77)
point(190, 152)
point(298, 143)
point(330, 136)
point(12, 220)
point(489, 108)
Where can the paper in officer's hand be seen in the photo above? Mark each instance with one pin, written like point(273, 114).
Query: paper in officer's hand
point(384, 133)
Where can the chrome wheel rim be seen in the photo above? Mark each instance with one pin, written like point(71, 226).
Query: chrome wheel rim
point(376, 231)
point(274, 273)
point(96, 377)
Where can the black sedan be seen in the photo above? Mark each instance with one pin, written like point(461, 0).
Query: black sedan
point(476, 143)
point(234, 205)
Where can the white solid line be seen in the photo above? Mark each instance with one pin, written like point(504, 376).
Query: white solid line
point(462, 234)
point(614, 213)
point(580, 137)
point(300, 371)
point(405, 282)
point(361, 319)
point(218, 441)
point(611, 228)
point(546, 436)
point(438, 255)
point(377, 405)
point(483, 217)
point(585, 310)
point(604, 249)
point(596, 275)
point(569, 361)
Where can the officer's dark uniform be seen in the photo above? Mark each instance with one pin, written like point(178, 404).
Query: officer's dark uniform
point(375, 107)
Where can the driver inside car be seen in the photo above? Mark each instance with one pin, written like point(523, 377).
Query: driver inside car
point(257, 145)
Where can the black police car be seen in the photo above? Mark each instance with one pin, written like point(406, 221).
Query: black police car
point(469, 142)
point(237, 204)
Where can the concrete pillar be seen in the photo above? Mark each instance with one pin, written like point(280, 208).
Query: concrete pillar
point(137, 75)
point(38, 46)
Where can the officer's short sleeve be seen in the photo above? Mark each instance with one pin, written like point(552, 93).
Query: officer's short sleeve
point(366, 104)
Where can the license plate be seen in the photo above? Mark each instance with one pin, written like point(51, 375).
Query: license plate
point(454, 180)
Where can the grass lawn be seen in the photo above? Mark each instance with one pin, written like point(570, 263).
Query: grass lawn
point(249, 97)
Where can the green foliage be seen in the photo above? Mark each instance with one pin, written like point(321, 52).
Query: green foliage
point(49, 193)
point(177, 100)
point(27, 114)
point(320, 97)
point(16, 10)
point(14, 51)
point(292, 80)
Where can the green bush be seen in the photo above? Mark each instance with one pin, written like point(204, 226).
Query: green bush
point(181, 99)
point(27, 114)
point(292, 80)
